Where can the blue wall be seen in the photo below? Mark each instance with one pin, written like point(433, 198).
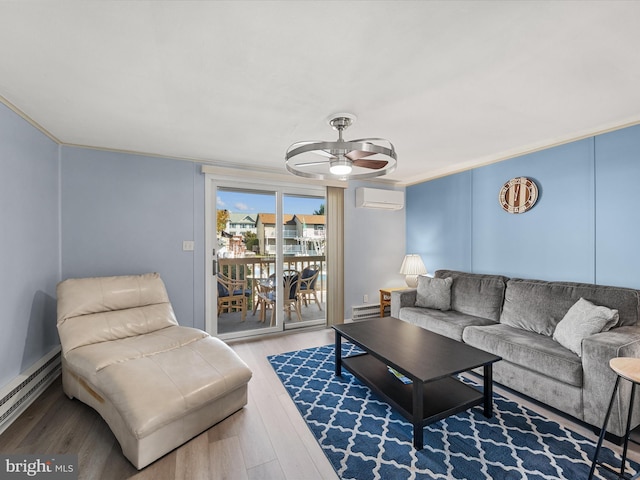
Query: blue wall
point(128, 214)
point(583, 228)
point(439, 222)
point(29, 244)
point(617, 207)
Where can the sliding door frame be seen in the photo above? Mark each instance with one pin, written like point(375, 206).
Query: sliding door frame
point(280, 188)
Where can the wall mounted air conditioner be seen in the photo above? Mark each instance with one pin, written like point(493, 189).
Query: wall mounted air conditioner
point(377, 198)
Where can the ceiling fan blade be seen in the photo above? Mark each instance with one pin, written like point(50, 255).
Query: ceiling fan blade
point(358, 154)
point(323, 153)
point(309, 164)
point(373, 164)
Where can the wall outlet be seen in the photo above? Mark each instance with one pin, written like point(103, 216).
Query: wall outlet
point(188, 245)
point(365, 298)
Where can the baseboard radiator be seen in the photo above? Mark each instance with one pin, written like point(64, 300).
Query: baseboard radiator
point(18, 394)
point(368, 310)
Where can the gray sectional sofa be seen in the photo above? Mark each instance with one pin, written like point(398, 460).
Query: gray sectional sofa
point(518, 320)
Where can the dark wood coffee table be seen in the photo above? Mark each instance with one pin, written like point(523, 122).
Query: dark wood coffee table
point(428, 359)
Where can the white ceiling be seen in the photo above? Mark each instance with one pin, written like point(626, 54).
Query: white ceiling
point(452, 84)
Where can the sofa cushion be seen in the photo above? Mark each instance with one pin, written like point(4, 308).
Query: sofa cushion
point(434, 293)
point(583, 320)
point(538, 306)
point(527, 349)
point(476, 294)
point(450, 324)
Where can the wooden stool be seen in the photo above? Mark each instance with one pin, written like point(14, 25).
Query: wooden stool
point(629, 369)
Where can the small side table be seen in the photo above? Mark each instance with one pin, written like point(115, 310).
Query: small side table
point(627, 368)
point(385, 297)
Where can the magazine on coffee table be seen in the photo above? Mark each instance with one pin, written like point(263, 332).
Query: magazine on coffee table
point(404, 379)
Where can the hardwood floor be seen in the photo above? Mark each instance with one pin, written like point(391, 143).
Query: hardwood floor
point(268, 439)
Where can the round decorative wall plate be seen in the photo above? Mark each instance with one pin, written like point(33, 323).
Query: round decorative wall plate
point(518, 195)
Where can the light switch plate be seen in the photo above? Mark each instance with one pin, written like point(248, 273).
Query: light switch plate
point(188, 245)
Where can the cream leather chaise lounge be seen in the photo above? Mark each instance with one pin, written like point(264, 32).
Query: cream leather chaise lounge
point(155, 383)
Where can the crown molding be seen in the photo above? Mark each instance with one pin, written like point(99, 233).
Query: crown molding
point(28, 119)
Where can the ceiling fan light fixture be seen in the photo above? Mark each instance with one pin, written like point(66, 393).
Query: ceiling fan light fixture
point(340, 167)
point(341, 159)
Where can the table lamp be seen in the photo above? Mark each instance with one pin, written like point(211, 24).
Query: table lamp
point(412, 266)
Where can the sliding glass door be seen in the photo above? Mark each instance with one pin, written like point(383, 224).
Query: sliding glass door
point(303, 247)
point(267, 270)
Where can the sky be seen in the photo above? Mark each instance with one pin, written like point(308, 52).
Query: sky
point(243, 202)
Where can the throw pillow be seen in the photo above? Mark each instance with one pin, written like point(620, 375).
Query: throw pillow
point(583, 320)
point(434, 293)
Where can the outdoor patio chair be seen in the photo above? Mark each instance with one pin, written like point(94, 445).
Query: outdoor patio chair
point(232, 295)
point(267, 297)
point(308, 285)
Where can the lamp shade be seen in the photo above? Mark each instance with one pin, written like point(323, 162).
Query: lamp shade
point(411, 267)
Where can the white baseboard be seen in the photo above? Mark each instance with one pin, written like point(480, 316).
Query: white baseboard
point(17, 395)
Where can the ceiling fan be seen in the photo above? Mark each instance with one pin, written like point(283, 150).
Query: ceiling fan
point(344, 159)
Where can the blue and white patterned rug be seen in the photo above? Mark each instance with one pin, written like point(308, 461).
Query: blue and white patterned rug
point(364, 438)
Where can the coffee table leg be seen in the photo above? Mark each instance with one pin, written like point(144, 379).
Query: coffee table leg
point(338, 354)
point(418, 414)
point(488, 390)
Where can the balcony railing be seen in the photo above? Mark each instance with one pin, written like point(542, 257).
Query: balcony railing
point(254, 269)
point(293, 250)
point(307, 234)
